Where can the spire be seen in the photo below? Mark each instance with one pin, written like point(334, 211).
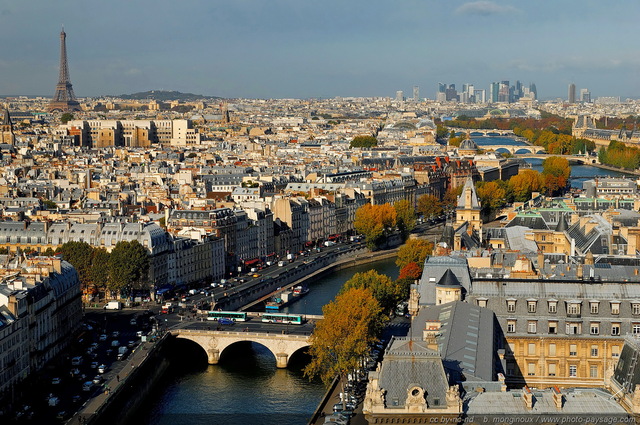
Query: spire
point(469, 198)
point(64, 99)
point(6, 119)
point(562, 224)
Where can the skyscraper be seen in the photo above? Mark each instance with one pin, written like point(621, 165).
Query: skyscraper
point(572, 93)
point(534, 90)
point(494, 90)
point(399, 96)
point(64, 99)
point(416, 93)
point(585, 96)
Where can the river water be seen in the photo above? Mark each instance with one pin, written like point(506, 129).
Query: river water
point(245, 387)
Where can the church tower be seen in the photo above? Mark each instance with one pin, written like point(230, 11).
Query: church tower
point(468, 209)
point(6, 129)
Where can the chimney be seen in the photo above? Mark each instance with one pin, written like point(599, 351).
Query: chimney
point(527, 396)
point(557, 397)
point(431, 331)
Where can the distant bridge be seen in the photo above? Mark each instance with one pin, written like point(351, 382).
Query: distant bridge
point(493, 132)
point(576, 159)
point(513, 149)
point(214, 342)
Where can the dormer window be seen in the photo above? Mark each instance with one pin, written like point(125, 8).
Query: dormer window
point(615, 307)
point(594, 307)
point(573, 308)
point(511, 306)
point(532, 305)
point(553, 306)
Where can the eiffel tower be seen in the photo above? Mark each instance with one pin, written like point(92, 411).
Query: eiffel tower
point(64, 100)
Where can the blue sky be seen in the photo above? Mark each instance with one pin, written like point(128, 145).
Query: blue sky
point(303, 48)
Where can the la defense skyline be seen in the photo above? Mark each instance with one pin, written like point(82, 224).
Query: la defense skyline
point(502, 91)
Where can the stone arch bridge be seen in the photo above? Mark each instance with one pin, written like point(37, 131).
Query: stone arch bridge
point(282, 345)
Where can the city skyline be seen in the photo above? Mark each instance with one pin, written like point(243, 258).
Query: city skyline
point(287, 49)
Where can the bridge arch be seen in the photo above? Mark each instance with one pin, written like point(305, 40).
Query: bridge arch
point(523, 150)
point(282, 346)
point(503, 150)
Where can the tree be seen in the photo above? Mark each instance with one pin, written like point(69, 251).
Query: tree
point(429, 206)
point(99, 270)
point(363, 142)
point(492, 195)
point(66, 117)
point(78, 254)
point(405, 217)
point(450, 200)
point(414, 251)
point(339, 342)
point(556, 172)
point(49, 204)
point(410, 271)
point(128, 267)
point(384, 290)
point(524, 183)
point(375, 222)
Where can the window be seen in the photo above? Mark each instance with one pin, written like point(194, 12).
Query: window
point(635, 309)
point(595, 329)
point(573, 349)
point(553, 306)
point(482, 303)
point(552, 369)
point(615, 329)
point(552, 349)
point(573, 308)
point(615, 351)
point(531, 306)
point(593, 371)
point(594, 307)
point(635, 329)
point(531, 369)
point(553, 328)
point(511, 326)
point(511, 306)
point(574, 328)
point(532, 348)
point(594, 351)
point(615, 308)
point(532, 327)
point(573, 371)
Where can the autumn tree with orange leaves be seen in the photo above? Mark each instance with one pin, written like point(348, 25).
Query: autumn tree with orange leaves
point(375, 222)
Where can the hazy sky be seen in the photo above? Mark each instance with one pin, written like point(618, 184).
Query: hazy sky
point(303, 48)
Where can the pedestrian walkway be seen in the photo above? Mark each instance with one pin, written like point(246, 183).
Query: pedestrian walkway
point(327, 408)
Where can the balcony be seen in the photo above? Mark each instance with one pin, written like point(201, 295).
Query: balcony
point(574, 315)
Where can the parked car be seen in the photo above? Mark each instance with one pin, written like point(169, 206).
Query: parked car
point(87, 386)
point(55, 381)
point(102, 368)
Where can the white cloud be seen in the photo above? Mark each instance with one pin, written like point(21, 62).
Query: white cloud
point(484, 8)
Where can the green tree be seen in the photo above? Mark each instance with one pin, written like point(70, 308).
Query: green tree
point(414, 251)
point(405, 217)
point(78, 254)
point(128, 267)
point(375, 222)
point(66, 117)
point(384, 290)
point(99, 270)
point(49, 204)
point(429, 206)
point(363, 142)
point(339, 342)
point(48, 252)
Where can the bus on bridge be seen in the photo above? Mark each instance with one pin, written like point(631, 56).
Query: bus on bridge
point(236, 316)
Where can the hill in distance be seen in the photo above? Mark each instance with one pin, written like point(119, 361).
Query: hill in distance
point(166, 95)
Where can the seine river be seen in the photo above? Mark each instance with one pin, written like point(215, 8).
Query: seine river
point(245, 387)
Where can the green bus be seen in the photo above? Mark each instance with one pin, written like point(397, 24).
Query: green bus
point(293, 319)
point(236, 316)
